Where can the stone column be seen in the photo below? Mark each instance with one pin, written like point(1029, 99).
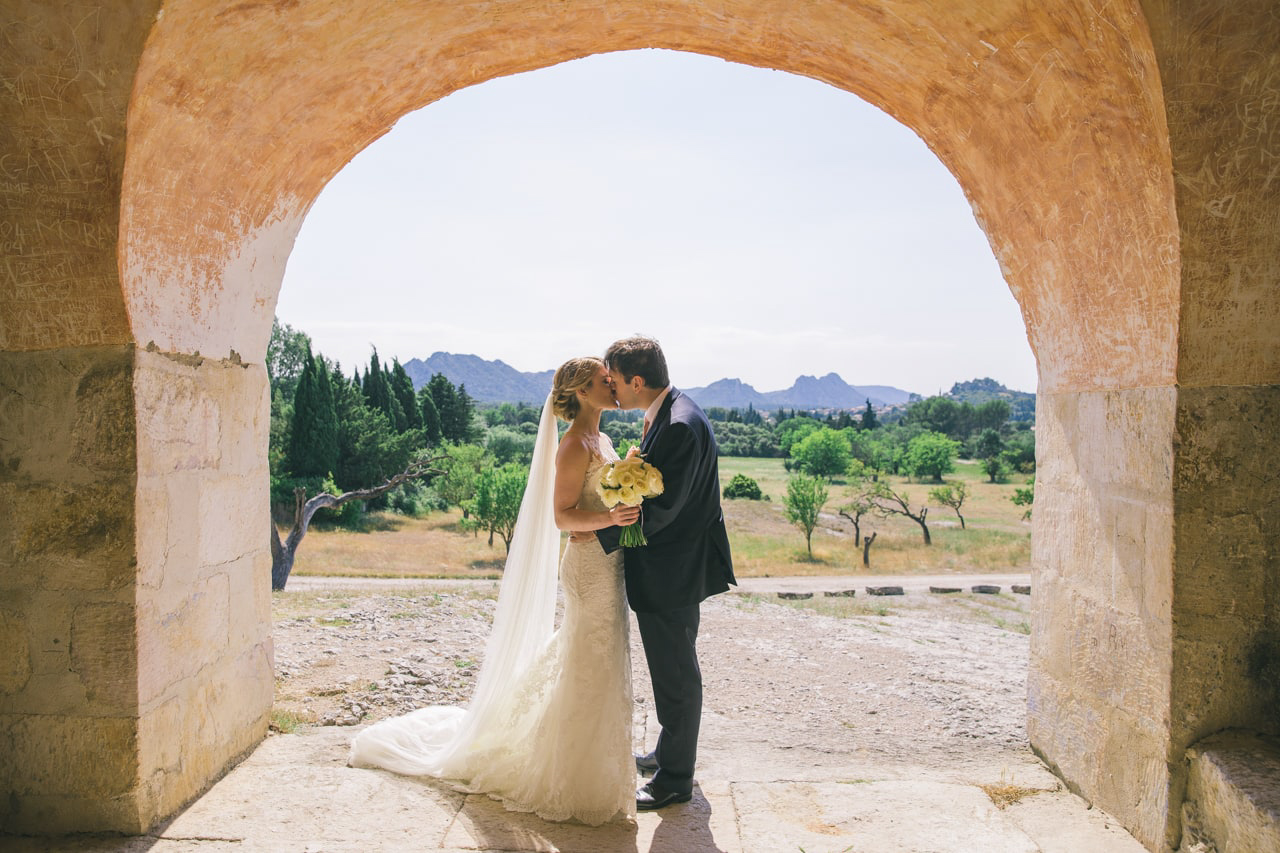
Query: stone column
point(135, 600)
point(134, 573)
point(1099, 682)
point(68, 649)
point(1221, 73)
point(1157, 520)
point(203, 621)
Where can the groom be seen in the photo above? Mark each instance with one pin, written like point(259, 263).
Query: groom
point(687, 558)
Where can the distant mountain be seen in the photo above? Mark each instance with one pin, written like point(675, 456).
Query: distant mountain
point(486, 381)
point(1022, 404)
point(807, 392)
point(728, 394)
point(499, 382)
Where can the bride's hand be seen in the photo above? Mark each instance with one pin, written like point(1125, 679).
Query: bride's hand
point(633, 450)
point(622, 515)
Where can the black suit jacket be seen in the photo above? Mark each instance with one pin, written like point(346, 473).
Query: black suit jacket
point(687, 558)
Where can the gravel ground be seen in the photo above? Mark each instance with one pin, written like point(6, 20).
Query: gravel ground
point(798, 689)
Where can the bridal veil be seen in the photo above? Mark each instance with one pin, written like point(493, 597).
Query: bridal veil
point(438, 741)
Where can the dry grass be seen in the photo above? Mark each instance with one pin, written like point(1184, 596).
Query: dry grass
point(764, 543)
point(430, 547)
point(1007, 795)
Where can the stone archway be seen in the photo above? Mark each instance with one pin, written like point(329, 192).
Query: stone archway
point(1116, 158)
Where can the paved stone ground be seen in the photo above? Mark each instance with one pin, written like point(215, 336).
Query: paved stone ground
point(896, 725)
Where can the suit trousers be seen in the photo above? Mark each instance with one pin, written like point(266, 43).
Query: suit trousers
point(670, 640)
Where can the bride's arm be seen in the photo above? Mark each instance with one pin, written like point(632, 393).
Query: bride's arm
point(572, 459)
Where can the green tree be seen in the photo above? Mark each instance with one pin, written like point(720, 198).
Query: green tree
point(287, 353)
point(461, 466)
point(930, 454)
point(402, 390)
point(935, 414)
point(430, 418)
point(822, 453)
point(951, 495)
point(806, 497)
point(496, 504)
point(456, 409)
point(868, 420)
point(794, 429)
point(1020, 451)
point(890, 501)
point(313, 438)
point(509, 445)
point(988, 443)
point(742, 486)
point(858, 502)
point(995, 469)
point(1025, 497)
point(991, 415)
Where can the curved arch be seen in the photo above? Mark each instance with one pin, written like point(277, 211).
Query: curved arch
point(1051, 120)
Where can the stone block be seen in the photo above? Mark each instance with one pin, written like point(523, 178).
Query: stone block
point(885, 590)
point(104, 654)
point(234, 514)
point(1233, 792)
point(76, 756)
point(209, 725)
point(175, 645)
point(250, 601)
point(178, 422)
point(62, 814)
point(15, 662)
point(103, 435)
point(245, 395)
point(79, 537)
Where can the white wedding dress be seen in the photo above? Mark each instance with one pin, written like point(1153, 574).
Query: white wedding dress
point(548, 729)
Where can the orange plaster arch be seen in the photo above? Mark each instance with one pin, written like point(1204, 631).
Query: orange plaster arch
point(1050, 118)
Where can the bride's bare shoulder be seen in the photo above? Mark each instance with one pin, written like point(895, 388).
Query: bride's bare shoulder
point(574, 446)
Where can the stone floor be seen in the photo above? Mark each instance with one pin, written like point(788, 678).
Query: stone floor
point(762, 787)
point(295, 794)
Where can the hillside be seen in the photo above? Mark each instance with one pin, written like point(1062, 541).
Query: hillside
point(498, 382)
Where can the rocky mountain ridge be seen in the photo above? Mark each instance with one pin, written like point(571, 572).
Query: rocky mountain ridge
point(498, 382)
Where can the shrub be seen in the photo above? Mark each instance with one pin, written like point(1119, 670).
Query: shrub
point(742, 486)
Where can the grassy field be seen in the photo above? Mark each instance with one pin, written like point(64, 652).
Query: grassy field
point(764, 543)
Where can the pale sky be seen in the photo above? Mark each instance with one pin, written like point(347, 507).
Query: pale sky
point(760, 225)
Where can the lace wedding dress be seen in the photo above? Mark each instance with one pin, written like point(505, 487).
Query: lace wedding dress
point(548, 729)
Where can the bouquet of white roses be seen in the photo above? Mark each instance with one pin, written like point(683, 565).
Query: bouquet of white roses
point(629, 481)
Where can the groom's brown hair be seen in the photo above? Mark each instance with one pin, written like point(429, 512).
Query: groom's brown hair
point(638, 356)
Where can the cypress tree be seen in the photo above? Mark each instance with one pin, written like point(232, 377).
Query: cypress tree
point(376, 391)
point(326, 420)
point(395, 411)
point(402, 389)
point(430, 417)
point(313, 441)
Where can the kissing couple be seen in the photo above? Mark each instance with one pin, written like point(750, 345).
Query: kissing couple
point(548, 728)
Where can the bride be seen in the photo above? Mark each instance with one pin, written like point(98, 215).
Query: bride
point(548, 729)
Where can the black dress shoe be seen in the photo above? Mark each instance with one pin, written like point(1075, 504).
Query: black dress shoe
point(647, 799)
point(647, 763)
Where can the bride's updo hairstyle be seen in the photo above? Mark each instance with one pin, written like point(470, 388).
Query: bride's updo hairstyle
point(574, 375)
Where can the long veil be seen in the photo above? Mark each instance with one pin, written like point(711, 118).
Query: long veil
point(436, 741)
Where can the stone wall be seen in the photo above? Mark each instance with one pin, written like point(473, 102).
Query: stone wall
point(1099, 681)
point(68, 703)
point(135, 594)
point(205, 678)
